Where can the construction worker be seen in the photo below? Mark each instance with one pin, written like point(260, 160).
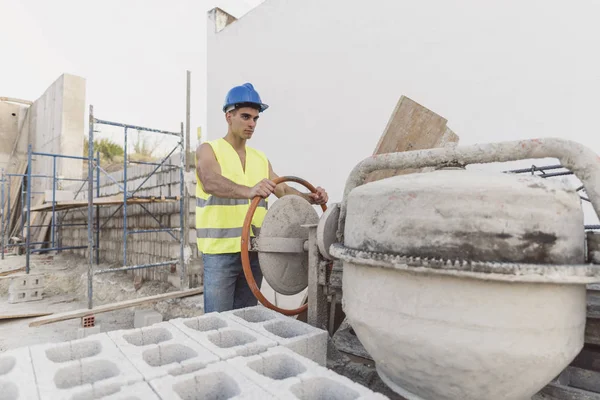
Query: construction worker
point(230, 174)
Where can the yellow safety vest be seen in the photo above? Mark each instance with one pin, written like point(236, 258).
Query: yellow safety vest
point(219, 220)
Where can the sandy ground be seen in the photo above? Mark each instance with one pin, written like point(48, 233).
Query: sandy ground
point(66, 289)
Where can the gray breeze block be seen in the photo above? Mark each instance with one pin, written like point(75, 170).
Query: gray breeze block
point(137, 391)
point(162, 349)
point(17, 379)
point(215, 382)
point(81, 369)
point(287, 375)
point(298, 336)
point(222, 336)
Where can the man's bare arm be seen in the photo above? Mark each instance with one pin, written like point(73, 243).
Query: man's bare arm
point(209, 173)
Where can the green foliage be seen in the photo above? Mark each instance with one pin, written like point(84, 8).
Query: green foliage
point(107, 148)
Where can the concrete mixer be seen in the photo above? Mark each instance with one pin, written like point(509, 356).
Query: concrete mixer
point(455, 281)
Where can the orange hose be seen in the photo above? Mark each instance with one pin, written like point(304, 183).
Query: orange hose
point(246, 242)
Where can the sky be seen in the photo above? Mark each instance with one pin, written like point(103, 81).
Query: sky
point(133, 54)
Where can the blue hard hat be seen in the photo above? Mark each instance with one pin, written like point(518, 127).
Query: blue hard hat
point(243, 94)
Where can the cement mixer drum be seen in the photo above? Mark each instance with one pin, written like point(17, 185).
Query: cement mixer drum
point(450, 276)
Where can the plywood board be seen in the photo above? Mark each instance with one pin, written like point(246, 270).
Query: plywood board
point(100, 201)
point(112, 307)
point(411, 127)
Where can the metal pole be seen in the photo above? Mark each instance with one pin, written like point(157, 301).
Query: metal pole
point(187, 120)
point(2, 216)
point(182, 224)
point(28, 237)
point(125, 200)
point(90, 209)
point(53, 198)
point(97, 208)
point(22, 206)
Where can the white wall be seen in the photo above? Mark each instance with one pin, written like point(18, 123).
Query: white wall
point(57, 127)
point(333, 71)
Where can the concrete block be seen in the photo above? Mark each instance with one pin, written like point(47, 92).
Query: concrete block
point(285, 374)
point(223, 336)
point(17, 379)
point(31, 281)
point(162, 349)
point(297, 336)
point(80, 368)
point(216, 381)
point(85, 332)
point(24, 295)
point(137, 391)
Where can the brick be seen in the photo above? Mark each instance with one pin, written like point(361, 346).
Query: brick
point(286, 374)
point(24, 295)
point(80, 367)
point(162, 349)
point(297, 336)
point(216, 381)
point(223, 336)
point(144, 318)
point(17, 379)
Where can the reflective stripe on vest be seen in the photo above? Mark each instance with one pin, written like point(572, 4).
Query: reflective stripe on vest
point(219, 220)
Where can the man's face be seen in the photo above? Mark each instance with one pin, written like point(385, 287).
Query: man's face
point(243, 121)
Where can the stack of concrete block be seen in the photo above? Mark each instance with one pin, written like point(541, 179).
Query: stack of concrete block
point(286, 375)
point(214, 356)
point(222, 336)
point(23, 288)
point(302, 338)
point(85, 368)
point(17, 378)
point(162, 350)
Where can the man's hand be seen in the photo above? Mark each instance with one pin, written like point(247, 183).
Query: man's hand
point(263, 189)
point(320, 197)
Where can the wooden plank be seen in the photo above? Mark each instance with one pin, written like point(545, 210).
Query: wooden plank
point(114, 306)
point(593, 305)
point(101, 201)
point(12, 271)
point(556, 391)
point(24, 315)
point(584, 379)
point(411, 127)
point(348, 343)
point(588, 358)
point(592, 331)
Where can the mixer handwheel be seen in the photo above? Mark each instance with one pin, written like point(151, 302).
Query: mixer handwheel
point(246, 243)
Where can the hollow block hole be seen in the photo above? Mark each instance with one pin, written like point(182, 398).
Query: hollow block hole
point(205, 324)
point(146, 337)
point(213, 386)
point(84, 373)
point(288, 329)
point(277, 366)
point(167, 354)
point(74, 351)
point(322, 388)
point(254, 315)
point(227, 339)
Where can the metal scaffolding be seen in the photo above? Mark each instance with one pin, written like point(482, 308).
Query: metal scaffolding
point(129, 195)
point(558, 170)
point(94, 203)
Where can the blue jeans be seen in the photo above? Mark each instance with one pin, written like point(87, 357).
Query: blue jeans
point(225, 286)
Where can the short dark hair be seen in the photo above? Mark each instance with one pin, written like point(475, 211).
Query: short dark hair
point(242, 105)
